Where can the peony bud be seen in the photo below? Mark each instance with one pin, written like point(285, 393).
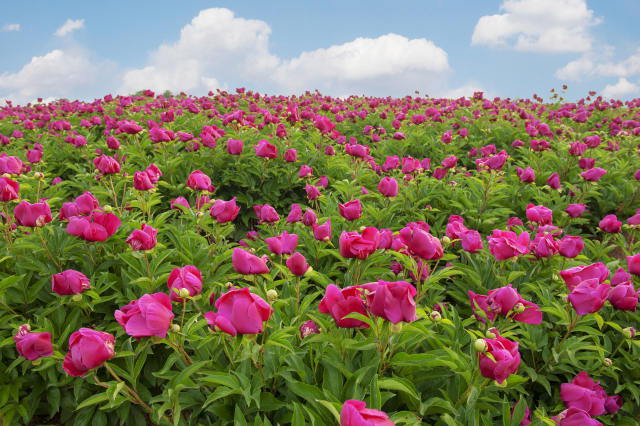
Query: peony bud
point(446, 240)
point(565, 298)
point(38, 175)
point(435, 316)
point(607, 362)
point(481, 345)
point(107, 209)
point(36, 361)
point(228, 285)
point(272, 295)
point(518, 308)
point(249, 277)
point(629, 333)
point(77, 297)
point(396, 328)
point(362, 228)
point(175, 328)
point(184, 293)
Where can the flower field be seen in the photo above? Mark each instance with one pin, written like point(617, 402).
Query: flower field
point(247, 259)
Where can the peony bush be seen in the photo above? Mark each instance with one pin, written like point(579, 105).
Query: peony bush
point(246, 259)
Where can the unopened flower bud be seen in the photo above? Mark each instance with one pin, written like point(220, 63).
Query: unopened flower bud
point(7, 175)
point(175, 328)
point(607, 362)
point(249, 277)
point(184, 293)
point(77, 297)
point(518, 308)
point(38, 175)
point(446, 240)
point(272, 295)
point(107, 209)
point(481, 345)
point(96, 171)
point(396, 328)
point(629, 333)
point(326, 239)
point(565, 298)
point(492, 333)
point(36, 361)
point(362, 228)
point(199, 214)
point(435, 316)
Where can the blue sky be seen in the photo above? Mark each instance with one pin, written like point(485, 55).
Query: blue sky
point(506, 48)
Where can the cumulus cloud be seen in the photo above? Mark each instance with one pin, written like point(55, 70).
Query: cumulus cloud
point(465, 90)
point(620, 89)
point(217, 48)
point(59, 73)
point(545, 26)
point(365, 65)
point(69, 26)
point(599, 63)
point(10, 27)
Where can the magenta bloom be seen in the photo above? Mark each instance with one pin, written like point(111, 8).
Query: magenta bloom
point(392, 301)
point(322, 232)
point(505, 245)
point(283, 244)
point(148, 316)
point(543, 245)
point(571, 246)
point(31, 215)
point(69, 282)
point(421, 243)
point(265, 149)
point(88, 349)
point(527, 175)
point(624, 297)
point(141, 181)
point(575, 210)
point(575, 417)
point(583, 393)
point(86, 203)
point(198, 181)
point(388, 187)
point(594, 174)
point(291, 155)
point(295, 214)
point(633, 264)
point(189, 277)
point(621, 276)
point(143, 239)
point(449, 162)
point(554, 181)
point(240, 312)
point(97, 227)
point(612, 404)
point(340, 303)
point(539, 214)
point(359, 246)
point(153, 172)
point(305, 171)
point(589, 296)
point(32, 346)
point(309, 218)
point(574, 276)
point(266, 213)
point(507, 359)
point(312, 192)
point(106, 165)
point(246, 263)
point(180, 201)
point(297, 264)
point(351, 210)
point(611, 224)
point(355, 413)
point(308, 328)
point(224, 211)
point(234, 147)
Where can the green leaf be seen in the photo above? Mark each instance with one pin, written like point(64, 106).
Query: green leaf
point(298, 418)
point(518, 412)
point(96, 399)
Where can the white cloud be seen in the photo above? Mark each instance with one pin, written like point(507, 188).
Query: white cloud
point(364, 65)
point(599, 63)
point(466, 90)
point(620, 89)
point(545, 26)
point(10, 27)
point(214, 46)
point(217, 48)
point(69, 26)
point(57, 74)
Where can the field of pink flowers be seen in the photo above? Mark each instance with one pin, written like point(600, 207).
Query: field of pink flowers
point(258, 260)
